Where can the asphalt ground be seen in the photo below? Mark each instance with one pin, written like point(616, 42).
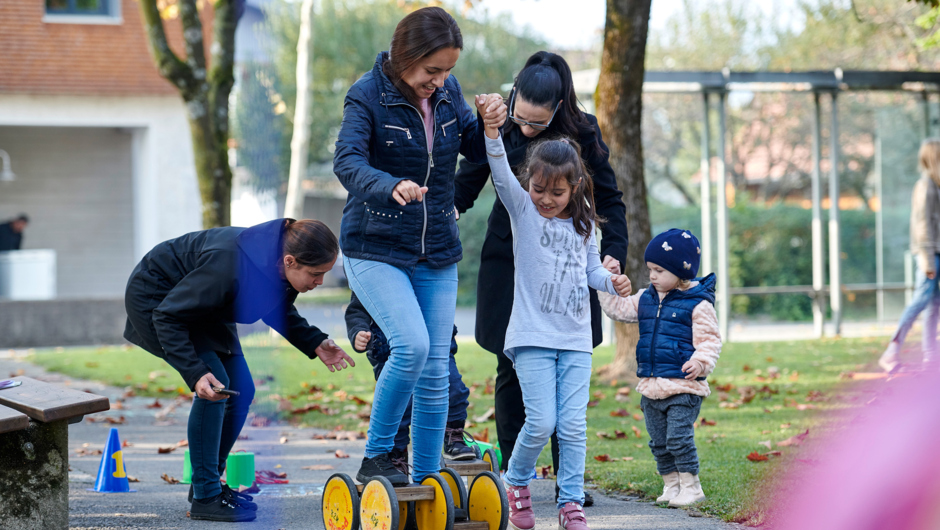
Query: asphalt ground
point(278, 447)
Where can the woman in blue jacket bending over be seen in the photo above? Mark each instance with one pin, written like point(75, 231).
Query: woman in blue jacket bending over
point(404, 123)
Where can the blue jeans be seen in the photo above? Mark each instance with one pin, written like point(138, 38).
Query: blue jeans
point(555, 388)
point(457, 395)
point(415, 308)
point(670, 423)
point(214, 426)
point(926, 298)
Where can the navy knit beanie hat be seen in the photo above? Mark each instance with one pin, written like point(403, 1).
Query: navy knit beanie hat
point(677, 251)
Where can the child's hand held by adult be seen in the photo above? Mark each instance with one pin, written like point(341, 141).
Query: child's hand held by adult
point(693, 368)
point(622, 284)
point(362, 340)
point(334, 357)
point(204, 388)
point(611, 264)
point(407, 191)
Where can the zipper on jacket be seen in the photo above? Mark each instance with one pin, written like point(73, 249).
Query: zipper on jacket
point(443, 127)
point(427, 176)
point(397, 128)
point(653, 340)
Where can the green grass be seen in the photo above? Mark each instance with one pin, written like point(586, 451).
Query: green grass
point(729, 479)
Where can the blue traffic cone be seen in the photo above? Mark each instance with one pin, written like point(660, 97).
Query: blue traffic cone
point(112, 477)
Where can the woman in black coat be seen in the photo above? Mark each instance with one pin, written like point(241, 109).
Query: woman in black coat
point(543, 105)
point(183, 300)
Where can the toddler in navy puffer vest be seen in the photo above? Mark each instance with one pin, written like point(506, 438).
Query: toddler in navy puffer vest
point(679, 345)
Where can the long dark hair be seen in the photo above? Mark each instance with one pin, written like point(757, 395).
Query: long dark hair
point(418, 35)
point(560, 159)
point(310, 241)
point(544, 81)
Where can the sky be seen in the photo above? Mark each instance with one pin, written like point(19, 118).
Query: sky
point(581, 27)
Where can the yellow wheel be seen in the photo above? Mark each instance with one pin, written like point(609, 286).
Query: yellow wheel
point(378, 506)
point(489, 456)
point(437, 513)
point(458, 490)
point(340, 503)
point(406, 515)
point(487, 501)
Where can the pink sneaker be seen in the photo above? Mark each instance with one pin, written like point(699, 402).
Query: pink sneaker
point(571, 517)
point(521, 516)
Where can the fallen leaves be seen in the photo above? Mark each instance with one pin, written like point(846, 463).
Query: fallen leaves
point(106, 419)
point(340, 454)
point(166, 450)
point(623, 394)
point(636, 431)
point(757, 457)
point(592, 404)
point(483, 436)
point(608, 458)
point(169, 480)
point(620, 413)
point(318, 467)
point(546, 471)
point(707, 423)
point(794, 440)
point(338, 435)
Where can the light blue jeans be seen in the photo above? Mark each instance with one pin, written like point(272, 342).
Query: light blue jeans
point(927, 299)
point(415, 308)
point(555, 388)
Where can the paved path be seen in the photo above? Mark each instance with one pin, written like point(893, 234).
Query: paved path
point(159, 505)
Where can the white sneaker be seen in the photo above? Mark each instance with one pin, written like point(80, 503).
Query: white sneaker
point(889, 359)
point(671, 487)
point(690, 491)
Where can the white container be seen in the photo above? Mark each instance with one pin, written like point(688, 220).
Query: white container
point(28, 274)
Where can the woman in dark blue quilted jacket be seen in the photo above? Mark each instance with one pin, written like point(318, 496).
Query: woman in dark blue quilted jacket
point(404, 124)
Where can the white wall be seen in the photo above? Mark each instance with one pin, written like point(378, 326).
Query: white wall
point(165, 195)
point(76, 184)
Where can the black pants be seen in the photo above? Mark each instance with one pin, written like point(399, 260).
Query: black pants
point(510, 411)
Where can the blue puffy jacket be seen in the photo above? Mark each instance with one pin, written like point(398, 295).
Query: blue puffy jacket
point(382, 142)
point(666, 329)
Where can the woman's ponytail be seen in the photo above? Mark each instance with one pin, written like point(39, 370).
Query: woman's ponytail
point(311, 242)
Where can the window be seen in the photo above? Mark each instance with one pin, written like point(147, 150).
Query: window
point(83, 12)
point(77, 7)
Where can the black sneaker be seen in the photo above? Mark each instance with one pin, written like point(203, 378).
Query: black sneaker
point(399, 459)
point(240, 499)
point(243, 499)
point(588, 498)
point(454, 446)
point(381, 466)
point(220, 508)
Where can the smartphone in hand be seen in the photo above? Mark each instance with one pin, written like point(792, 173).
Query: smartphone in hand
point(225, 391)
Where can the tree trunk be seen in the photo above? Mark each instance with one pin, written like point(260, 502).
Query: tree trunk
point(300, 141)
point(619, 100)
point(206, 93)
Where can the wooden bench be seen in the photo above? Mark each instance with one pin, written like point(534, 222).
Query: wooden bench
point(34, 451)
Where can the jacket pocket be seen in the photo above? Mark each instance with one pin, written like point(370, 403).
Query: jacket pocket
point(450, 221)
point(381, 226)
point(449, 128)
point(393, 140)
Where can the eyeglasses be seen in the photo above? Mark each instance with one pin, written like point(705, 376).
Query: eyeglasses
point(536, 126)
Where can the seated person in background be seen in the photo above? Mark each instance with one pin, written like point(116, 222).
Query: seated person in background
point(11, 233)
point(366, 336)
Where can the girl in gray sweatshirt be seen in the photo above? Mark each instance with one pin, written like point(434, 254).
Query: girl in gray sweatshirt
point(553, 217)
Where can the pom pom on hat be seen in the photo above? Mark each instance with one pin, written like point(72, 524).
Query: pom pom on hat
point(677, 251)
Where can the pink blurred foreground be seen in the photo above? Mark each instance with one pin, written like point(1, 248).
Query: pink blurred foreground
point(882, 471)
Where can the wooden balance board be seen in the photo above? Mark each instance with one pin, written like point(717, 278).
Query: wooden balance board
point(441, 502)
